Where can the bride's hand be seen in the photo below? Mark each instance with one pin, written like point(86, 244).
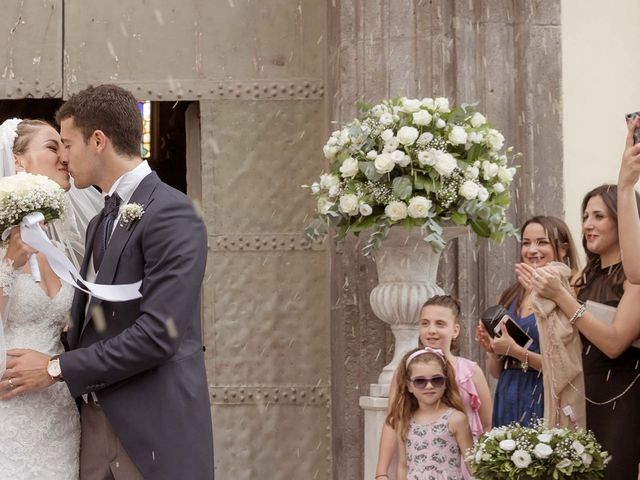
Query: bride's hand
point(18, 251)
point(26, 372)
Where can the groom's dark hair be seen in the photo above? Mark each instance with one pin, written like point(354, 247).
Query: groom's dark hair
point(108, 108)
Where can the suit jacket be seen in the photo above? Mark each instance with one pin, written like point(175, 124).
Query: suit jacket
point(145, 361)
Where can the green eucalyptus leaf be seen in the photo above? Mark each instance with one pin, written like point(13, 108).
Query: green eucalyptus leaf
point(402, 187)
point(459, 218)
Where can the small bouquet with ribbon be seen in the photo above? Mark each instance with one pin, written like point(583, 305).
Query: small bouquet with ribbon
point(21, 197)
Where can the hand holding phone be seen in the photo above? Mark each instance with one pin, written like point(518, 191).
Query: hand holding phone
point(632, 117)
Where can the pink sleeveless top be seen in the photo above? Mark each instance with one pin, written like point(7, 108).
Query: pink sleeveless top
point(464, 370)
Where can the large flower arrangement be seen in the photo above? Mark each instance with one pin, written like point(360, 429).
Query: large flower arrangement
point(537, 452)
point(416, 163)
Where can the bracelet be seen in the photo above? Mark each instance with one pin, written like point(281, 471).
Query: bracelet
point(382, 475)
point(579, 312)
point(525, 364)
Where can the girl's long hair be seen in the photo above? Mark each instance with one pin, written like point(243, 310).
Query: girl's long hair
point(405, 403)
point(559, 236)
point(609, 195)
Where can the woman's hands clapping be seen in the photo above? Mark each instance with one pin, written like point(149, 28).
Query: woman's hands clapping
point(543, 280)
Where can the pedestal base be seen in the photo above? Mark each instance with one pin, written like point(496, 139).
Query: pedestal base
point(375, 412)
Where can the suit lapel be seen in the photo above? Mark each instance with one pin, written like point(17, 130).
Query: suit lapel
point(118, 240)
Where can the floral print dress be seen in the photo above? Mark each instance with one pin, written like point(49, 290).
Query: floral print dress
point(432, 451)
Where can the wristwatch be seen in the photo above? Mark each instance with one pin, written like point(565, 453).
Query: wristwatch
point(54, 370)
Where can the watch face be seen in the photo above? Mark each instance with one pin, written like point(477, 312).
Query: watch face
point(53, 369)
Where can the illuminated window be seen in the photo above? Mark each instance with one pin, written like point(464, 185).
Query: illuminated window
point(145, 146)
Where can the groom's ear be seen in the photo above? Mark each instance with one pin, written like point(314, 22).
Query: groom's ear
point(99, 139)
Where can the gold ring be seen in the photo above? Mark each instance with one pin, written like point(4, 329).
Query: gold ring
point(11, 383)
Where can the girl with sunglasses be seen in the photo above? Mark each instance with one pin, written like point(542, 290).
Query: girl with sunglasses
point(428, 416)
point(439, 328)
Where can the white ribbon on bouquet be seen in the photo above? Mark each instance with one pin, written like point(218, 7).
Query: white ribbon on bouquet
point(33, 236)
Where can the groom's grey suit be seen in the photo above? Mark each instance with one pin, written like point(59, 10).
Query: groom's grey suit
point(146, 363)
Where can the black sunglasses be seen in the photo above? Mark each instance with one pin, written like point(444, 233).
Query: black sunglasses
point(437, 381)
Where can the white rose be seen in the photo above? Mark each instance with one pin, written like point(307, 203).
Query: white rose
point(478, 119)
point(371, 155)
point(365, 210)
point(586, 459)
point(379, 109)
point(384, 163)
point(542, 450)
point(498, 187)
point(445, 163)
point(408, 135)
point(521, 459)
point(457, 135)
point(410, 105)
point(425, 138)
point(564, 463)
point(506, 174)
point(391, 145)
point(426, 157)
point(328, 181)
point(475, 137)
point(422, 117)
point(349, 204)
point(386, 119)
point(324, 205)
point(495, 139)
point(396, 210)
point(442, 104)
point(344, 136)
point(483, 194)
point(334, 191)
point(507, 445)
point(428, 102)
point(349, 167)
point(545, 437)
point(332, 141)
point(330, 151)
point(469, 189)
point(400, 158)
point(387, 134)
point(472, 172)
point(315, 187)
point(578, 447)
point(489, 169)
point(419, 207)
point(440, 123)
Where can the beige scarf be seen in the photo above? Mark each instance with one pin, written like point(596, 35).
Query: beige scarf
point(564, 401)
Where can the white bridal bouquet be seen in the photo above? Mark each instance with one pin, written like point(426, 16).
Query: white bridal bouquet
point(415, 163)
point(537, 452)
point(23, 194)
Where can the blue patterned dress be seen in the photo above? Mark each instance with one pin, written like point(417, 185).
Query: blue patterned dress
point(519, 395)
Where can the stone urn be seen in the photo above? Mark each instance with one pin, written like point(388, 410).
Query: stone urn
point(407, 269)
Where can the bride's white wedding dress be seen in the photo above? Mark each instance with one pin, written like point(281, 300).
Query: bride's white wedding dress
point(39, 431)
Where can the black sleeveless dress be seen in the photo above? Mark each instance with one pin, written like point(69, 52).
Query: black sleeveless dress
point(616, 424)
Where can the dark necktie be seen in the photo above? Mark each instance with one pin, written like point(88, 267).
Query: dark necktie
point(103, 231)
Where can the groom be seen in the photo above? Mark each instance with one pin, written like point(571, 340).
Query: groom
point(138, 366)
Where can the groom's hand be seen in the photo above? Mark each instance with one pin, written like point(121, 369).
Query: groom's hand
point(26, 372)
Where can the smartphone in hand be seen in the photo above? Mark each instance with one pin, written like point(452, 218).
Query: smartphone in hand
point(630, 117)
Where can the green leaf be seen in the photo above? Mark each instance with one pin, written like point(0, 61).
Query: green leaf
point(503, 199)
point(459, 218)
point(481, 227)
point(369, 171)
point(364, 223)
point(402, 187)
point(419, 181)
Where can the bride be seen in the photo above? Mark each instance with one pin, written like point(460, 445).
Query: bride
point(39, 431)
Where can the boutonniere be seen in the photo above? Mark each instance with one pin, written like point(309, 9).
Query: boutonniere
point(130, 214)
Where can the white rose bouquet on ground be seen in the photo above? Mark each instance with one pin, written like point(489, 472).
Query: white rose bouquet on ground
point(537, 452)
point(23, 194)
point(415, 163)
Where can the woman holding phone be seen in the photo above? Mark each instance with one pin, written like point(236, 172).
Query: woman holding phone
point(628, 218)
point(519, 394)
